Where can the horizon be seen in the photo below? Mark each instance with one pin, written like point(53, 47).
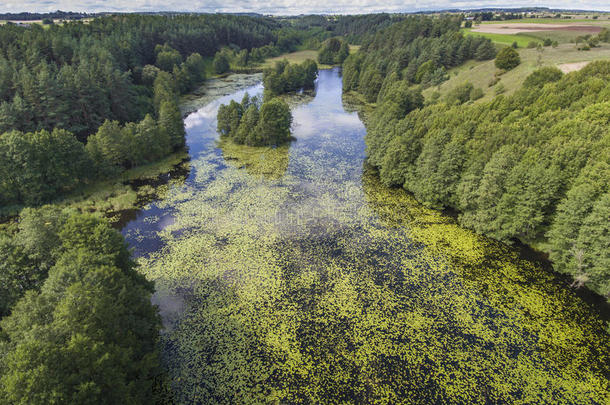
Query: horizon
point(287, 7)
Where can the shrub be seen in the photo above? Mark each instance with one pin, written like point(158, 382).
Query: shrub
point(542, 76)
point(507, 59)
point(221, 63)
point(460, 94)
point(476, 93)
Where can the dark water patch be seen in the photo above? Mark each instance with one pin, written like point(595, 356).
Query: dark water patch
point(178, 173)
point(594, 301)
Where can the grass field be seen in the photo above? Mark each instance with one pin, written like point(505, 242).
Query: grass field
point(480, 74)
point(563, 37)
point(294, 57)
point(302, 56)
point(505, 39)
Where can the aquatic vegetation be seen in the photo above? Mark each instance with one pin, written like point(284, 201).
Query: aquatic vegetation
point(292, 275)
point(116, 198)
point(265, 161)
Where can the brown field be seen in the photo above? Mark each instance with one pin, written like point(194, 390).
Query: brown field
point(515, 28)
point(572, 67)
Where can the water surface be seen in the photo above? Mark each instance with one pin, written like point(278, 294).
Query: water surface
point(290, 275)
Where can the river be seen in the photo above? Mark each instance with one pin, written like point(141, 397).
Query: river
point(291, 275)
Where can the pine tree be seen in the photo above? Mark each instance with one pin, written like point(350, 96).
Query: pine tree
point(170, 122)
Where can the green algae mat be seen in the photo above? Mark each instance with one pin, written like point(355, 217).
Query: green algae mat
point(291, 275)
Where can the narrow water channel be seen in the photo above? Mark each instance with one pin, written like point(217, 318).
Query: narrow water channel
point(291, 275)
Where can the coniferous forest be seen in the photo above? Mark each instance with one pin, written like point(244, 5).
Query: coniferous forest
point(342, 219)
point(70, 93)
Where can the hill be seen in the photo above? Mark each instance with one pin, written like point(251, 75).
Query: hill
point(482, 74)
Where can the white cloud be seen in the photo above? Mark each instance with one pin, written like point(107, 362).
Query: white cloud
point(281, 6)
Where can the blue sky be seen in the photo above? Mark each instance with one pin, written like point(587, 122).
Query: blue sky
point(281, 6)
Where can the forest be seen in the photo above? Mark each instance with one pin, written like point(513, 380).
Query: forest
point(532, 166)
point(80, 102)
point(77, 317)
point(510, 173)
point(417, 50)
point(116, 107)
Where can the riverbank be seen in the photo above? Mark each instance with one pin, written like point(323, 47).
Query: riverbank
point(534, 250)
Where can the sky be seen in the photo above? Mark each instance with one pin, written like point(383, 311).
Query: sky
point(283, 7)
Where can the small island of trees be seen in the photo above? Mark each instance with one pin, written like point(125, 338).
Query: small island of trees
point(268, 123)
point(284, 77)
point(255, 124)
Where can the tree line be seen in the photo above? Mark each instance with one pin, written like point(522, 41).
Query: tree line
point(333, 51)
point(77, 322)
point(77, 75)
point(233, 58)
point(417, 50)
point(37, 167)
point(533, 166)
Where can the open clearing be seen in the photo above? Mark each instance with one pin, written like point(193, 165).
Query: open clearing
point(481, 74)
point(589, 21)
point(572, 67)
point(294, 57)
point(520, 28)
point(302, 56)
point(522, 40)
point(525, 31)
